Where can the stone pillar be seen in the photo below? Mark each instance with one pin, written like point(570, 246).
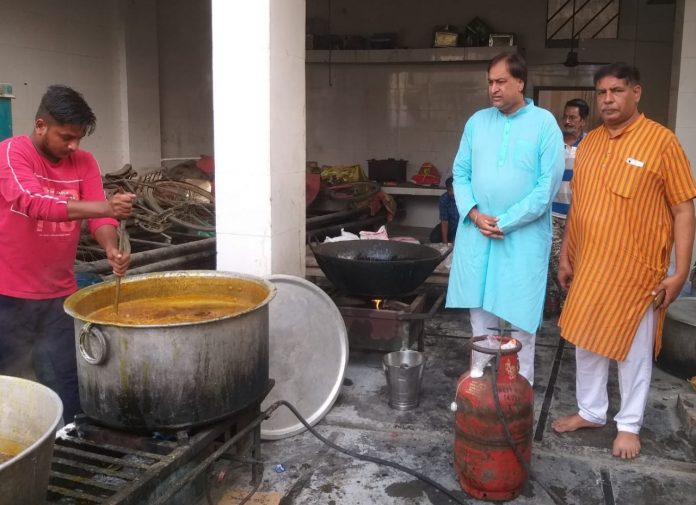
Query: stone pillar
point(686, 92)
point(259, 115)
point(685, 62)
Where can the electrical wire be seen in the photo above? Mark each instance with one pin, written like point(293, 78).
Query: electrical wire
point(508, 436)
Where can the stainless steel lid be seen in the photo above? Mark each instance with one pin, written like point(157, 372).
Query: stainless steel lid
point(308, 354)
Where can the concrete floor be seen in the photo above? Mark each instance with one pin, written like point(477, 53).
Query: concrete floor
point(578, 467)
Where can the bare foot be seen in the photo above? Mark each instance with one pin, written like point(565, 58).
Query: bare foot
point(572, 423)
point(626, 445)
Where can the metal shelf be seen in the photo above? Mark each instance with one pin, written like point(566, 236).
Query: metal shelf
point(433, 55)
point(407, 189)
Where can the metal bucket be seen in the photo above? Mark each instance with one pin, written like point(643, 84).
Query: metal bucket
point(404, 373)
point(29, 416)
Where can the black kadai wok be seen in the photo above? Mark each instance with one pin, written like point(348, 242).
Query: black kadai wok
point(376, 268)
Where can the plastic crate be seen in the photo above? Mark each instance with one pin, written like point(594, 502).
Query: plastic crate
point(389, 170)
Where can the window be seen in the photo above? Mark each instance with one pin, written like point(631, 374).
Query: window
point(568, 20)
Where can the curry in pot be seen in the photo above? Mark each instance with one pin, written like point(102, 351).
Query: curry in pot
point(170, 310)
point(9, 449)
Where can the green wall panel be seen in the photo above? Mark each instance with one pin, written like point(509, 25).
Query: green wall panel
point(6, 97)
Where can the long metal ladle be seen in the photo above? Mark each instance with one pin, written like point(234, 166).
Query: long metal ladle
point(123, 246)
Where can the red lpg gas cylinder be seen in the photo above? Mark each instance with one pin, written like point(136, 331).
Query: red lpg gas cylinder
point(486, 464)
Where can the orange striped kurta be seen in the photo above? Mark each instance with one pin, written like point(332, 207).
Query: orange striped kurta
point(620, 232)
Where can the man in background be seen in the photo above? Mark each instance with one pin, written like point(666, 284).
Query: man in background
point(573, 125)
point(506, 172)
point(47, 186)
point(633, 196)
point(446, 230)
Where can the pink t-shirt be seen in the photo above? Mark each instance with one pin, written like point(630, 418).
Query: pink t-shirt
point(37, 243)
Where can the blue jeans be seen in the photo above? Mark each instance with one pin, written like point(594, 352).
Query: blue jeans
point(42, 327)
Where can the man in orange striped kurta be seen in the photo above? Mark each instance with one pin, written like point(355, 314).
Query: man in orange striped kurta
point(633, 196)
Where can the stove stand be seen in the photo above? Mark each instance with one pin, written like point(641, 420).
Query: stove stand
point(96, 465)
point(397, 324)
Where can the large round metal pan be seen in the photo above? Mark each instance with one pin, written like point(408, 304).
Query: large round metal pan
point(376, 268)
point(308, 355)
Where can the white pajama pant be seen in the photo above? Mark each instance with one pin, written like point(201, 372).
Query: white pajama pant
point(481, 321)
point(634, 380)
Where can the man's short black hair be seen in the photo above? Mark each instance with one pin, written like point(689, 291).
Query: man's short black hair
point(515, 64)
point(64, 105)
point(583, 108)
point(628, 73)
point(449, 182)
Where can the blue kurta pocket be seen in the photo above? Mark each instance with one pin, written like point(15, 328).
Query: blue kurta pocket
point(524, 156)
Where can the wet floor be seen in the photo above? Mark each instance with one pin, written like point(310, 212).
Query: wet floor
point(577, 467)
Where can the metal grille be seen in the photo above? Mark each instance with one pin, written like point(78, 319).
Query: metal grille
point(96, 465)
point(582, 19)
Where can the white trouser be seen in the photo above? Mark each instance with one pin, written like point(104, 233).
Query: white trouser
point(481, 321)
point(634, 380)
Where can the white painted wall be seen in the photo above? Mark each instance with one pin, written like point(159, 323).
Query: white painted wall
point(102, 49)
point(355, 134)
point(140, 84)
point(74, 43)
point(417, 111)
point(186, 78)
point(413, 112)
point(334, 110)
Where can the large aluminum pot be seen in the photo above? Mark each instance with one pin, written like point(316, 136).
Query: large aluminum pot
point(167, 376)
point(29, 416)
point(678, 354)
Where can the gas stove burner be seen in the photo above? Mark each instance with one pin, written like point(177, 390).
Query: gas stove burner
point(394, 304)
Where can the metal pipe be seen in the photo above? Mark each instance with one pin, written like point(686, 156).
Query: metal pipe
point(152, 243)
point(351, 226)
point(145, 257)
point(313, 222)
point(168, 264)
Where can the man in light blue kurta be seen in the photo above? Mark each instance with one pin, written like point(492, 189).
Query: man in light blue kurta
point(507, 170)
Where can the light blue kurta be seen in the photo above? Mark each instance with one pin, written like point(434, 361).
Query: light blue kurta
point(509, 167)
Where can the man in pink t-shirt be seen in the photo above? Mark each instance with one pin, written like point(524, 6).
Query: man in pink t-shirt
point(47, 186)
